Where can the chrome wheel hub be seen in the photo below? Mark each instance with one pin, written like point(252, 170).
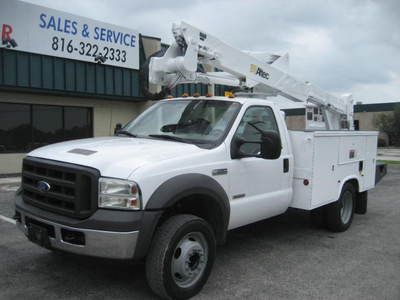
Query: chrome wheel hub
point(189, 259)
point(347, 207)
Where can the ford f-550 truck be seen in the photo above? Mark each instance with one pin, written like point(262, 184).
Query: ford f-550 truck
point(169, 185)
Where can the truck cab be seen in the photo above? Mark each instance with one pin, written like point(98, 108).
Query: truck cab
point(171, 183)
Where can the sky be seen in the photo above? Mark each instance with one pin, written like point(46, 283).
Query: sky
point(343, 46)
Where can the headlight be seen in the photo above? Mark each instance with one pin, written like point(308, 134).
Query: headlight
point(118, 194)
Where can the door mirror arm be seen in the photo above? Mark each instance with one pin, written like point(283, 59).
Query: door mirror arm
point(117, 128)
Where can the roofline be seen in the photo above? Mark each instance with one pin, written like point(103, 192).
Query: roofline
point(376, 107)
point(150, 37)
point(241, 100)
point(358, 108)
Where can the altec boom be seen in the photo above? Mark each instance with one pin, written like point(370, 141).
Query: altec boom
point(193, 47)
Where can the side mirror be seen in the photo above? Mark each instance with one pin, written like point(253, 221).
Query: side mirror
point(270, 147)
point(117, 128)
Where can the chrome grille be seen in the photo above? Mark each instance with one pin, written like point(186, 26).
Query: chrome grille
point(72, 189)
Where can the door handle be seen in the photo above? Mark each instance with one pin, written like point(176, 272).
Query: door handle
point(285, 165)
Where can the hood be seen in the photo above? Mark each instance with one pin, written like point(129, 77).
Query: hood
point(115, 156)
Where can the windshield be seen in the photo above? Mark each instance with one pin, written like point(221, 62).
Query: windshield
point(190, 121)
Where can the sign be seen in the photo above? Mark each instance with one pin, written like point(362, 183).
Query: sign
point(37, 29)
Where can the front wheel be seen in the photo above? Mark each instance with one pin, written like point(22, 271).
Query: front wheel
point(181, 257)
point(339, 215)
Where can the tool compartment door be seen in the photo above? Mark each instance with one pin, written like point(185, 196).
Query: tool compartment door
point(327, 159)
point(325, 166)
point(368, 172)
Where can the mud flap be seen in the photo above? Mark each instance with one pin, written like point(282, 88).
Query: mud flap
point(361, 203)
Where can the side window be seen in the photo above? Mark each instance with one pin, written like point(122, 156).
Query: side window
point(255, 117)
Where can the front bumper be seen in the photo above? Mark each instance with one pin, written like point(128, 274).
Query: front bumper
point(100, 243)
point(106, 233)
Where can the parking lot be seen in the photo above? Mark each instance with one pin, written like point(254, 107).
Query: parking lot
point(283, 258)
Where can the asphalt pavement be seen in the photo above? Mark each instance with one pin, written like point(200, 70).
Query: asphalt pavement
point(282, 258)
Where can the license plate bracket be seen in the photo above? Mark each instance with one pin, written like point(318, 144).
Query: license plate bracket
point(39, 235)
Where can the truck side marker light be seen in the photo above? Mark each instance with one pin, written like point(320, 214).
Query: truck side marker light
point(306, 182)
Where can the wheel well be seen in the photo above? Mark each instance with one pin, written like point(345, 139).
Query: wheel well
point(202, 206)
point(354, 183)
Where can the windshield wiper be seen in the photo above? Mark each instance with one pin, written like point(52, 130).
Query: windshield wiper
point(125, 132)
point(169, 137)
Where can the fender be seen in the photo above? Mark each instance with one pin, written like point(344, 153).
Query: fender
point(347, 179)
point(178, 187)
point(361, 195)
point(173, 190)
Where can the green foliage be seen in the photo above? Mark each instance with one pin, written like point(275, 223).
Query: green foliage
point(390, 123)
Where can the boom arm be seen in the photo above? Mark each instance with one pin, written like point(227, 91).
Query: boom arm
point(193, 47)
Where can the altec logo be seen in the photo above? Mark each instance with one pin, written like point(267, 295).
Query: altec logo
point(6, 31)
point(258, 71)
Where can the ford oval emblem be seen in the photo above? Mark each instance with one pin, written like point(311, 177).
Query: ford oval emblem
point(43, 186)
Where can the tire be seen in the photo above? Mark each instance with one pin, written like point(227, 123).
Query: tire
point(181, 257)
point(338, 216)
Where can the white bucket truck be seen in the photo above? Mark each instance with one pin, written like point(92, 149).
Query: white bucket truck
point(172, 182)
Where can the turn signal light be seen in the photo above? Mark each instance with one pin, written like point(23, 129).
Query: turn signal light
point(132, 203)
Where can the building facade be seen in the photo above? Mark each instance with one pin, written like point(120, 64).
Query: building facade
point(46, 99)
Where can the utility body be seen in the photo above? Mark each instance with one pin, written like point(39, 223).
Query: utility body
point(172, 182)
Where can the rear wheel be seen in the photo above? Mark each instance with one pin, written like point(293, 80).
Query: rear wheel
point(339, 215)
point(181, 257)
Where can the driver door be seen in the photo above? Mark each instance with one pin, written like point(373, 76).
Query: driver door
point(259, 187)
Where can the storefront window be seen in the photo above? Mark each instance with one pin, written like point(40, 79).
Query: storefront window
point(77, 123)
point(24, 127)
point(47, 125)
point(15, 127)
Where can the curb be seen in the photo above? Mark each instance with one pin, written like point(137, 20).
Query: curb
point(10, 180)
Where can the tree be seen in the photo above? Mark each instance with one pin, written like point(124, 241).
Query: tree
point(390, 123)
